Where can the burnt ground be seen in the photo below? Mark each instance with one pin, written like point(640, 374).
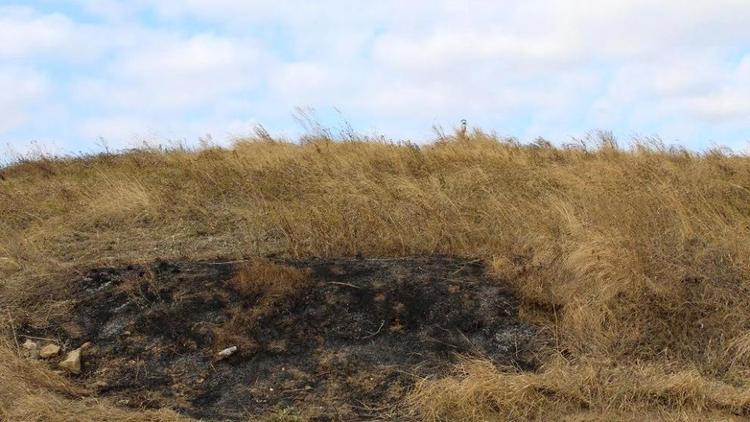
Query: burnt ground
point(346, 346)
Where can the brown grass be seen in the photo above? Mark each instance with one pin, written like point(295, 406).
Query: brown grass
point(29, 391)
point(586, 389)
point(269, 280)
point(271, 285)
point(637, 260)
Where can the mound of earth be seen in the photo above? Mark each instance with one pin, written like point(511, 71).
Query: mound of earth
point(344, 340)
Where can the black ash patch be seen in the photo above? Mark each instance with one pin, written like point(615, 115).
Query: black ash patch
point(347, 346)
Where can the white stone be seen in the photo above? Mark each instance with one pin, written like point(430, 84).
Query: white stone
point(72, 362)
point(229, 351)
point(29, 345)
point(49, 351)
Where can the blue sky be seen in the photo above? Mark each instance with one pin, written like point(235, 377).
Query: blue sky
point(75, 72)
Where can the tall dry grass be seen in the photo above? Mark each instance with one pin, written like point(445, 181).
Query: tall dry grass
point(636, 260)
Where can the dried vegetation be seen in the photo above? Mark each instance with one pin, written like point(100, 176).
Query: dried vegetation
point(636, 259)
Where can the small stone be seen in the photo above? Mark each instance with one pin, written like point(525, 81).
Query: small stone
point(72, 362)
point(98, 385)
point(229, 351)
point(49, 351)
point(29, 345)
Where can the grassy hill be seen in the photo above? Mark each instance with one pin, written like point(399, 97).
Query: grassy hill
point(635, 261)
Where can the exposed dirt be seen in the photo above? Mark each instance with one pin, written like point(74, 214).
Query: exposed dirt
point(346, 346)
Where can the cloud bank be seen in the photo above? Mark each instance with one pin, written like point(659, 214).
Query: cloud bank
point(74, 71)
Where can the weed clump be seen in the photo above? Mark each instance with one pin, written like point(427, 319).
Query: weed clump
point(262, 277)
point(272, 286)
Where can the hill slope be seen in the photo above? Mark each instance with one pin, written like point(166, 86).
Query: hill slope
point(636, 262)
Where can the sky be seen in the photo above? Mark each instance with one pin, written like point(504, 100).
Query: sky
point(82, 75)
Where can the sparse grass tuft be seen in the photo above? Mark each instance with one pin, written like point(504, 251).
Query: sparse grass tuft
point(272, 281)
point(272, 285)
point(284, 415)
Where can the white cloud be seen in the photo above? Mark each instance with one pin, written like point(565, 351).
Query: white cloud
point(542, 66)
point(114, 10)
point(20, 89)
point(28, 36)
point(115, 130)
point(24, 32)
point(173, 73)
point(700, 89)
point(196, 55)
point(452, 51)
point(118, 131)
point(729, 101)
point(310, 83)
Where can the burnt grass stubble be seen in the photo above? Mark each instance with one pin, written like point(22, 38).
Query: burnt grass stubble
point(347, 346)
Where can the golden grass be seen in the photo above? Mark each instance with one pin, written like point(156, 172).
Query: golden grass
point(595, 390)
point(637, 260)
point(29, 391)
point(272, 281)
point(271, 284)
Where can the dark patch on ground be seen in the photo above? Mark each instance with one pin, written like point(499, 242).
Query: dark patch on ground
point(348, 346)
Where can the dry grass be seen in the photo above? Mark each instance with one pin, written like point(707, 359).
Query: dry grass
point(271, 281)
point(637, 260)
point(272, 285)
point(29, 391)
point(597, 390)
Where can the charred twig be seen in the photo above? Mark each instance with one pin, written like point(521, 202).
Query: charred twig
point(382, 323)
point(238, 261)
point(434, 340)
point(468, 340)
point(43, 338)
point(344, 284)
point(13, 330)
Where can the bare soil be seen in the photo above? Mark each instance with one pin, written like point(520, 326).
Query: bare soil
point(346, 346)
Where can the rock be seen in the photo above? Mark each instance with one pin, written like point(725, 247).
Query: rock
point(29, 345)
point(31, 349)
point(98, 385)
point(229, 351)
point(49, 351)
point(72, 362)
